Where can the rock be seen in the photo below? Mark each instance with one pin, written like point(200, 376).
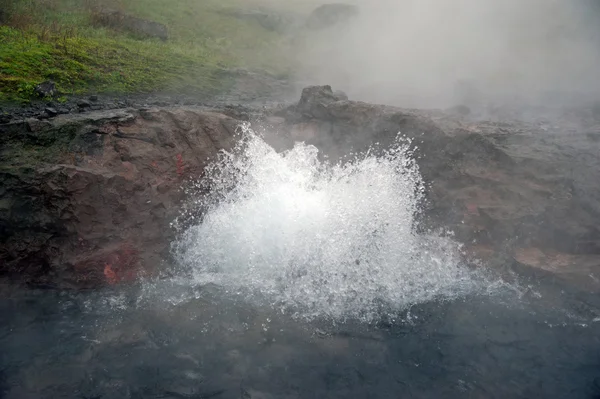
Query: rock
point(329, 15)
point(83, 104)
point(52, 112)
point(340, 95)
point(5, 118)
point(88, 199)
point(35, 125)
point(315, 99)
point(120, 21)
point(93, 98)
point(498, 186)
point(46, 89)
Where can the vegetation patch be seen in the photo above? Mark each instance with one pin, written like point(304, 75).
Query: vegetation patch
point(61, 40)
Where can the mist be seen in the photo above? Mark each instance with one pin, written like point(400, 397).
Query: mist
point(438, 53)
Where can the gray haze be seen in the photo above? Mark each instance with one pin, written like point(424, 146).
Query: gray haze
point(415, 53)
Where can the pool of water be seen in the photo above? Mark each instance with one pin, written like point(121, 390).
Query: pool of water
point(295, 278)
point(174, 341)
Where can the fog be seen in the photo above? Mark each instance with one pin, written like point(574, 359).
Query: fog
point(436, 53)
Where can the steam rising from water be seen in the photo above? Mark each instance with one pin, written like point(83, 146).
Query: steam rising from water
point(420, 53)
point(317, 239)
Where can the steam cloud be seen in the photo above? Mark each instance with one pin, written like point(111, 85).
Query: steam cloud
point(430, 53)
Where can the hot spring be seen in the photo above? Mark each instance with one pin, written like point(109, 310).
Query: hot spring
point(295, 277)
point(319, 239)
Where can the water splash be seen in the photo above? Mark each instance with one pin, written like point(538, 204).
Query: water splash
point(317, 239)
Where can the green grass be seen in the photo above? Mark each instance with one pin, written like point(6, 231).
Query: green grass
point(56, 39)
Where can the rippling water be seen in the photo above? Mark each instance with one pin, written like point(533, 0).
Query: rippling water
point(301, 279)
point(130, 344)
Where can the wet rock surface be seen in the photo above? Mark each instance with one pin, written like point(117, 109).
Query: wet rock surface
point(86, 199)
point(87, 188)
point(248, 89)
point(516, 192)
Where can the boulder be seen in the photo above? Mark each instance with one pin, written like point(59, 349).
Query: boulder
point(315, 99)
point(46, 89)
point(84, 104)
point(51, 111)
point(87, 199)
point(138, 26)
point(329, 15)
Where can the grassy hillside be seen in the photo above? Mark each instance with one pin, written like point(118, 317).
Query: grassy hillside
point(59, 40)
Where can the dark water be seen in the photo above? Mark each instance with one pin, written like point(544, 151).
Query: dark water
point(126, 344)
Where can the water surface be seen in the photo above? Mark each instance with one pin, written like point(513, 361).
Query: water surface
point(296, 278)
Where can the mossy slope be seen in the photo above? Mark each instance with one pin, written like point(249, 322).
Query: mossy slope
point(57, 39)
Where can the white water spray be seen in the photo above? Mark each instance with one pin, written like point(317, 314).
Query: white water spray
point(319, 240)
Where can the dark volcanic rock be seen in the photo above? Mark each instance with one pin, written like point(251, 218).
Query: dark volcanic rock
point(46, 89)
point(51, 111)
point(87, 199)
point(506, 190)
point(83, 104)
point(5, 117)
point(314, 100)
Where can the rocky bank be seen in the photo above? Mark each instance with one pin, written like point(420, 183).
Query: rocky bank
point(87, 199)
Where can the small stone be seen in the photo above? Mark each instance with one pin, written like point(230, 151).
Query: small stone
point(93, 98)
point(35, 125)
point(46, 89)
point(83, 104)
point(51, 111)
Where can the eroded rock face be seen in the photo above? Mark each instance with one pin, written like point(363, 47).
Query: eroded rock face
point(87, 199)
point(512, 193)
